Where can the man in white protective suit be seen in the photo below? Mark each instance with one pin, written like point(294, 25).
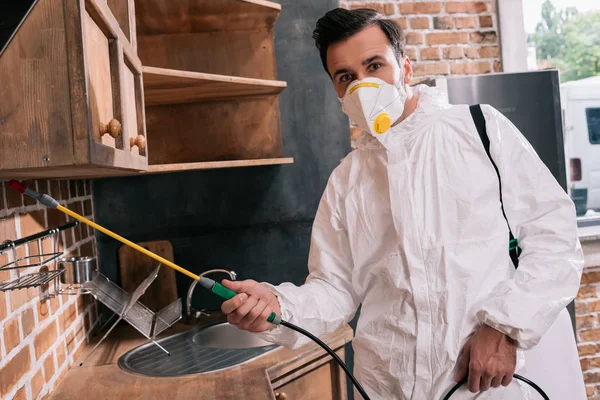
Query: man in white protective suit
point(416, 226)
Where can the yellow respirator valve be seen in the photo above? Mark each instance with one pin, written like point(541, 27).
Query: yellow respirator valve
point(382, 123)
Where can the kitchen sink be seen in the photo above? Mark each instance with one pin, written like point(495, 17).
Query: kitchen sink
point(202, 349)
point(226, 336)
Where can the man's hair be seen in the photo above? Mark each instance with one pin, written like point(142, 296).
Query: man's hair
point(339, 24)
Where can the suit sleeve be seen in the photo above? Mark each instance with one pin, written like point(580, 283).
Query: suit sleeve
point(326, 301)
point(542, 217)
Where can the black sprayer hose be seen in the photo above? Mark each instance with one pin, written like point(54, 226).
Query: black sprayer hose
point(332, 354)
point(516, 376)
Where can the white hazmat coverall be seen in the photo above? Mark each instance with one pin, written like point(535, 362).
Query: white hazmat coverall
point(415, 233)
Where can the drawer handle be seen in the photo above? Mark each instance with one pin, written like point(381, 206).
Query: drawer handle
point(113, 128)
point(139, 141)
point(281, 396)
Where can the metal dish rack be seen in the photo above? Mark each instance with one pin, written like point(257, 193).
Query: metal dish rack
point(25, 278)
point(127, 307)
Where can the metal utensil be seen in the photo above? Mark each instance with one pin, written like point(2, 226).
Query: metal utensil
point(77, 270)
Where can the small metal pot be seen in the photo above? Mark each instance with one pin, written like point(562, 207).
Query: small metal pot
point(77, 270)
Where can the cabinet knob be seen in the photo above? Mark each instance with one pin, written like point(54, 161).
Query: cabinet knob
point(139, 141)
point(113, 128)
point(280, 396)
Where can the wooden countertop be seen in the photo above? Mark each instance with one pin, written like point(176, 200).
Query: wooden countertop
point(101, 377)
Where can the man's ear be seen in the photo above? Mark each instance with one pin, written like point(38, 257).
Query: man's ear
point(407, 69)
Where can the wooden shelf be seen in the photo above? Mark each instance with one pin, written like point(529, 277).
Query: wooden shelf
point(165, 168)
point(159, 17)
point(169, 86)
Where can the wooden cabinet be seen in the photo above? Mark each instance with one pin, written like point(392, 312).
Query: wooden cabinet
point(311, 379)
point(72, 94)
point(72, 88)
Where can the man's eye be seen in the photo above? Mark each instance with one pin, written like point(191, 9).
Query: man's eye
point(345, 78)
point(374, 66)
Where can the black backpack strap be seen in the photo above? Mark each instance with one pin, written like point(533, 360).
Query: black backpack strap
point(477, 114)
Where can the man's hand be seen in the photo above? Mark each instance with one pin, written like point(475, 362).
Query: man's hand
point(489, 358)
point(252, 306)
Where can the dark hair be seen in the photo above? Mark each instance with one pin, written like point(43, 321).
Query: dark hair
point(339, 24)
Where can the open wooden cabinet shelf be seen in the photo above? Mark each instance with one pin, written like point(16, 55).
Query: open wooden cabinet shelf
point(210, 83)
point(169, 86)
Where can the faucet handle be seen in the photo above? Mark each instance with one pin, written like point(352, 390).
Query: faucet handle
point(232, 274)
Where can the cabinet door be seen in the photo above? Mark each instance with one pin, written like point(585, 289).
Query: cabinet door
point(319, 380)
point(114, 92)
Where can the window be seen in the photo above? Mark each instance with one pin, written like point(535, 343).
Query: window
point(593, 123)
point(563, 35)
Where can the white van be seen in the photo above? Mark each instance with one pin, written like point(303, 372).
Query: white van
point(581, 117)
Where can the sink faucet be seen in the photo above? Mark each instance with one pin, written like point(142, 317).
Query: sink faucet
point(192, 315)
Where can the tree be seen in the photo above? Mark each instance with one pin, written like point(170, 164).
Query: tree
point(570, 40)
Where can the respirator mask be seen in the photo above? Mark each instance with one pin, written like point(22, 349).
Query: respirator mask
point(374, 105)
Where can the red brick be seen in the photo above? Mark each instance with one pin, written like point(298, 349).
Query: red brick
point(401, 21)
point(411, 53)
point(79, 351)
point(56, 218)
point(3, 312)
point(453, 53)
point(581, 307)
point(443, 23)
point(70, 342)
point(414, 38)
point(465, 22)
point(79, 332)
point(21, 296)
point(587, 349)
point(419, 23)
point(87, 208)
point(494, 52)
point(430, 53)
point(484, 37)
point(591, 377)
point(27, 322)
point(14, 198)
point(587, 321)
point(21, 394)
point(472, 52)
point(595, 362)
point(387, 9)
point(590, 390)
point(586, 291)
point(590, 335)
point(486, 21)
point(67, 318)
point(439, 68)
point(73, 189)
point(471, 7)
point(60, 354)
point(447, 38)
point(55, 189)
point(585, 363)
point(43, 308)
point(87, 249)
point(33, 222)
point(11, 334)
point(37, 383)
point(69, 238)
point(420, 8)
point(590, 277)
point(7, 229)
point(64, 189)
point(45, 339)
point(80, 188)
point(49, 367)
point(497, 66)
point(469, 68)
point(14, 370)
point(593, 306)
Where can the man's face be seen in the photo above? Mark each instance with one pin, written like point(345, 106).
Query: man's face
point(368, 53)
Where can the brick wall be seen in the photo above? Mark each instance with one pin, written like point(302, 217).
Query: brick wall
point(39, 340)
point(587, 309)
